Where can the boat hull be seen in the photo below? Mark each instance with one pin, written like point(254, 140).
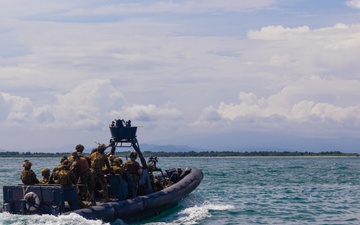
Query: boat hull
point(142, 207)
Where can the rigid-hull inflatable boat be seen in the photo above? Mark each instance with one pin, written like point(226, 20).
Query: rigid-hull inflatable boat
point(124, 203)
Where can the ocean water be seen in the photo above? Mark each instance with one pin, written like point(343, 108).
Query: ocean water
point(239, 191)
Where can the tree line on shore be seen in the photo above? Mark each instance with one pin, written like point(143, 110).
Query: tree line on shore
point(196, 154)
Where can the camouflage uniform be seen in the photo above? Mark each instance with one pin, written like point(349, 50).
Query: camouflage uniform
point(134, 169)
point(155, 183)
point(98, 161)
point(28, 177)
point(46, 176)
point(118, 167)
point(85, 180)
point(65, 175)
point(111, 160)
point(53, 177)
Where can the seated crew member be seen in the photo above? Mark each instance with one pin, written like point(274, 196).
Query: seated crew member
point(28, 176)
point(46, 176)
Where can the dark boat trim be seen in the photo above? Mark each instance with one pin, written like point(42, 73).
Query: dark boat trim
point(142, 207)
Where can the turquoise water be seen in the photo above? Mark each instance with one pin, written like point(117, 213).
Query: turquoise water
point(240, 191)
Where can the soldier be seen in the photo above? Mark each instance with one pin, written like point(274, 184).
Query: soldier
point(65, 175)
point(53, 177)
point(79, 151)
point(46, 176)
point(118, 166)
point(28, 176)
point(98, 160)
point(81, 167)
point(134, 169)
point(155, 183)
point(111, 160)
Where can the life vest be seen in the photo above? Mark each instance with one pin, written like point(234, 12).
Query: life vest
point(82, 165)
point(132, 167)
point(56, 171)
point(26, 177)
point(64, 177)
point(96, 160)
point(118, 170)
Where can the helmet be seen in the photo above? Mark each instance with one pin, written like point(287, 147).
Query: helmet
point(27, 163)
point(63, 159)
point(133, 155)
point(45, 172)
point(118, 161)
point(74, 154)
point(79, 148)
point(66, 163)
point(101, 147)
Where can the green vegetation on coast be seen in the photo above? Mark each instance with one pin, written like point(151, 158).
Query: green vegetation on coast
point(198, 154)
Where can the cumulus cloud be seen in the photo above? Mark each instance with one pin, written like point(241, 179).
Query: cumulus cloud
point(152, 113)
point(90, 105)
point(301, 51)
point(299, 108)
point(72, 67)
point(84, 106)
point(87, 103)
point(336, 32)
point(277, 33)
point(353, 4)
point(15, 109)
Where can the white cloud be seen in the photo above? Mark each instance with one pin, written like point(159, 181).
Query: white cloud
point(83, 107)
point(277, 33)
point(299, 109)
point(195, 6)
point(90, 105)
point(15, 109)
point(151, 112)
point(353, 4)
point(69, 66)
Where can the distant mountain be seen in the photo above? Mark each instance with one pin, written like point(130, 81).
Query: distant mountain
point(167, 148)
point(240, 141)
point(257, 141)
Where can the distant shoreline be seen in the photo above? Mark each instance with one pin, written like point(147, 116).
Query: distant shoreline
point(204, 154)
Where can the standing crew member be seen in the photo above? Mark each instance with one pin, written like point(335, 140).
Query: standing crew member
point(53, 177)
point(134, 169)
point(65, 175)
point(118, 167)
point(85, 180)
point(98, 161)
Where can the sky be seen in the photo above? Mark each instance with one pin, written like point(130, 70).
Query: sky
point(218, 75)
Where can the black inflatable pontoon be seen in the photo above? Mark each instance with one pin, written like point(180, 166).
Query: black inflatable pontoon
point(125, 204)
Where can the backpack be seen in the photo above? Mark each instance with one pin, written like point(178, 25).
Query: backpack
point(64, 177)
point(96, 161)
point(82, 165)
point(25, 177)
